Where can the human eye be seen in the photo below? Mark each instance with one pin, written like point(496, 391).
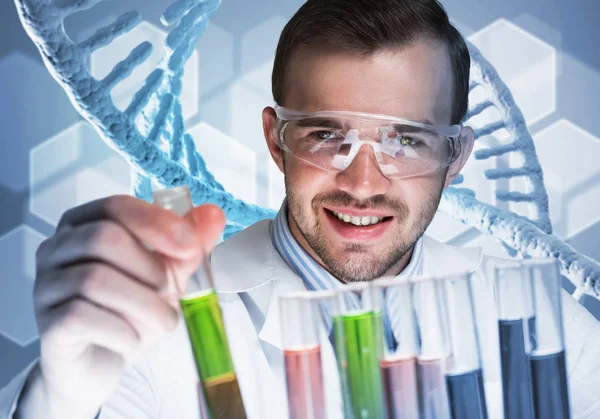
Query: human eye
point(405, 140)
point(323, 135)
point(408, 136)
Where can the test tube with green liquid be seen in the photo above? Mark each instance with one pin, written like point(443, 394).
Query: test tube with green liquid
point(359, 337)
point(204, 322)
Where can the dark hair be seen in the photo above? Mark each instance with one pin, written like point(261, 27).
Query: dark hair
point(367, 26)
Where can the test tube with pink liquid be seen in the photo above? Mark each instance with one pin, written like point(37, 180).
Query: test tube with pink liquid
point(398, 363)
point(434, 355)
point(301, 322)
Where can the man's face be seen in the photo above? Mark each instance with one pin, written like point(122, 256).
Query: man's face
point(414, 83)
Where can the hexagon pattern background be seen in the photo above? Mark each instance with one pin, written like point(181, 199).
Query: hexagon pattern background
point(52, 160)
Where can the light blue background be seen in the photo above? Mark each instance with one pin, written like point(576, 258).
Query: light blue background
point(50, 160)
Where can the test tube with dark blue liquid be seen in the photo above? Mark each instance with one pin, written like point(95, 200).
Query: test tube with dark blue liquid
point(515, 322)
point(434, 353)
point(464, 377)
point(547, 357)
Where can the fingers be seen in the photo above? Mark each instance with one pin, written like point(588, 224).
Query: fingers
point(106, 242)
point(80, 322)
point(108, 288)
point(159, 228)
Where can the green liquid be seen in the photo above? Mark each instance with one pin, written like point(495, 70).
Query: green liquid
point(204, 323)
point(359, 349)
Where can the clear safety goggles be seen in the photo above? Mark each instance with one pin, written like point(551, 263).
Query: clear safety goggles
point(331, 140)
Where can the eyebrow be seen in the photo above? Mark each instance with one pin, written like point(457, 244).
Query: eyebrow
point(319, 122)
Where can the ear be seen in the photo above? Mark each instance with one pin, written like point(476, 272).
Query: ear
point(466, 138)
point(268, 120)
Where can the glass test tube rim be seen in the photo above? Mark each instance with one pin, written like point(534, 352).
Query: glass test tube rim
point(390, 281)
point(308, 294)
point(452, 277)
point(353, 287)
point(539, 261)
point(519, 264)
point(525, 280)
point(509, 264)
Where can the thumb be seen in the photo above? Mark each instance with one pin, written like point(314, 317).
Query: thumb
point(209, 222)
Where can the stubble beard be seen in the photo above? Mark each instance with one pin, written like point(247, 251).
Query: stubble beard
point(356, 262)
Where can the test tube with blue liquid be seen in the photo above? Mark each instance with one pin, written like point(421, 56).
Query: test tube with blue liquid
point(398, 363)
point(219, 395)
point(516, 324)
point(464, 376)
point(547, 356)
point(434, 357)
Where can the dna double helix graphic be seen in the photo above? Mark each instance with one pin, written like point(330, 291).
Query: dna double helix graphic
point(162, 153)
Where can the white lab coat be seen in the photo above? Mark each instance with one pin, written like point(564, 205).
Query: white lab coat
point(250, 276)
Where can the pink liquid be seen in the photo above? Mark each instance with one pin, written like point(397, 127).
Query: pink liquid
point(400, 388)
point(432, 389)
point(304, 377)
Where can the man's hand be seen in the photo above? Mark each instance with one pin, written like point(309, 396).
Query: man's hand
point(99, 295)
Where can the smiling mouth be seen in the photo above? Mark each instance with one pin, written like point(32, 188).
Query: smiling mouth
point(358, 221)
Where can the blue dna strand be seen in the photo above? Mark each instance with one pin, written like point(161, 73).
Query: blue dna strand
point(161, 152)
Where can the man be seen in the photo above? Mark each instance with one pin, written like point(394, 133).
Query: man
point(361, 190)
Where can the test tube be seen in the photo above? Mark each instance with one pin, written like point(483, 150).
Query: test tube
point(398, 362)
point(516, 322)
point(204, 322)
point(300, 325)
point(547, 356)
point(434, 351)
point(358, 332)
point(464, 376)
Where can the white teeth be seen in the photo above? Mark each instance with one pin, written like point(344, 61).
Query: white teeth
point(358, 221)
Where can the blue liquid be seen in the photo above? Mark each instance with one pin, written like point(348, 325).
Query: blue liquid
point(467, 396)
point(516, 383)
point(550, 392)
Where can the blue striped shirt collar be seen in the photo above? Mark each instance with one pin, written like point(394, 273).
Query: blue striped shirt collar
point(315, 277)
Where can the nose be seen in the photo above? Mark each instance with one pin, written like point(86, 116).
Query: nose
point(363, 177)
